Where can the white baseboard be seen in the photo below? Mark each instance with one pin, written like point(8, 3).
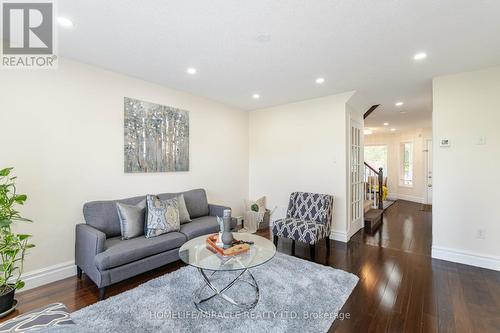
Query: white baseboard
point(356, 226)
point(49, 274)
point(465, 257)
point(340, 236)
point(392, 196)
point(395, 196)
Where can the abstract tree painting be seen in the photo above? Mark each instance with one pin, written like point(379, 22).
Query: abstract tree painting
point(156, 137)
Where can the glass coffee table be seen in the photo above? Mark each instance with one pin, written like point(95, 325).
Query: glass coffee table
point(210, 264)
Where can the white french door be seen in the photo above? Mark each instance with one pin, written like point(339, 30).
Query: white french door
point(428, 169)
point(356, 185)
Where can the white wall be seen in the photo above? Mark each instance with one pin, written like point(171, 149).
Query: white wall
point(63, 132)
point(300, 147)
point(417, 192)
point(466, 180)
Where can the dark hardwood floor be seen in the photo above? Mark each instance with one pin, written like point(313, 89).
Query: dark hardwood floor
point(401, 289)
point(406, 228)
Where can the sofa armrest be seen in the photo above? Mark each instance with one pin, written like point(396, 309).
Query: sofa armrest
point(89, 242)
point(218, 210)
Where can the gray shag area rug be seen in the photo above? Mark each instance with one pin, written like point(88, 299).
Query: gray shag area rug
point(295, 296)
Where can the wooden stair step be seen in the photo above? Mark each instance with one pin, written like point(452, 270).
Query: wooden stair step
point(367, 205)
point(373, 219)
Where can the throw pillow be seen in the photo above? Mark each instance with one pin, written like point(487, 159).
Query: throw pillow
point(183, 212)
point(258, 205)
point(163, 216)
point(131, 219)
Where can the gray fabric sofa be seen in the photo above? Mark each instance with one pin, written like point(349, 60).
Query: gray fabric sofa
point(107, 259)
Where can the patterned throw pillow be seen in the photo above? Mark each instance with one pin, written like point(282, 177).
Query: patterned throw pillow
point(163, 216)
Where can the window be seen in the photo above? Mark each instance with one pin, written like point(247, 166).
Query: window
point(406, 161)
point(376, 157)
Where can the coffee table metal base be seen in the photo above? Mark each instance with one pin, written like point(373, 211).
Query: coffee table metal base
point(242, 306)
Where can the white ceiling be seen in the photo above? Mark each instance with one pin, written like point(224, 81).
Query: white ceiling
point(410, 119)
point(278, 47)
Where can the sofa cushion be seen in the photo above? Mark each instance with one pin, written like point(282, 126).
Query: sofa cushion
point(103, 215)
point(163, 216)
point(201, 226)
point(183, 211)
point(196, 201)
point(300, 230)
point(204, 225)
point(131, 219)
point(119, 252)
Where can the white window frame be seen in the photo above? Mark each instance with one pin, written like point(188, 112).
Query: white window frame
point(387, 156)
point(402, 181)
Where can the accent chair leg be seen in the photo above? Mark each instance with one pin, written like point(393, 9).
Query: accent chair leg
point(79, 272)
point(312, 248)
point(102, 293)
point(293, 247)
point(275, 240)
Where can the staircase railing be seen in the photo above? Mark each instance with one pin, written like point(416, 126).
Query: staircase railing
point(374, 182)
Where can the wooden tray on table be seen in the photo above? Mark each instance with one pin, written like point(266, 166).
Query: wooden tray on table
point(232, 251)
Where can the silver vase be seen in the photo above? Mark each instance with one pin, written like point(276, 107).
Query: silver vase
point(227, 235)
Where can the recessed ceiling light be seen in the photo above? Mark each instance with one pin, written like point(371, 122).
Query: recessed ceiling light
point(386, 124)
point(393, 129)
point(367, 132)
point(191, 71)
point(420, 56)
point(65, 22)
point(320, 80)
point(399, 103)
point(255, 96)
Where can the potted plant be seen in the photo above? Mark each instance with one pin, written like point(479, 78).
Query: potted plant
point(13, 246)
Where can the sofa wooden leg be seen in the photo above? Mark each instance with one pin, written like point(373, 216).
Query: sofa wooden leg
point(275, 240)
point(79, 272)
point(312, 248)
point(293, 247)
point(102, 293)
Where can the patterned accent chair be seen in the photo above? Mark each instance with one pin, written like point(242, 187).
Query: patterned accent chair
point(308, 220)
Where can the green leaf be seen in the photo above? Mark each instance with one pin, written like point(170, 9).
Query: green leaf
point(5, 172)
point(19, 284)
point(23, 236)
point(5, 223)
point(254, 207)
point(22, 219)
point(21, 198)
point(12, 246)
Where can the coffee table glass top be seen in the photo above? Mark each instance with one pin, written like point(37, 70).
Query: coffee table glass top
point(196, 253)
